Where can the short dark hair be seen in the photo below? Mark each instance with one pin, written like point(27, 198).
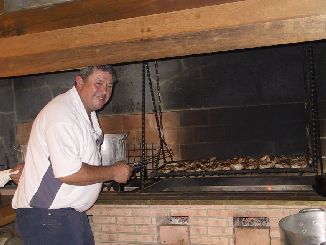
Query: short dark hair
point(88, 70)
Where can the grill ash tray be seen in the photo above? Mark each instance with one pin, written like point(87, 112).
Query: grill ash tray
point(233, 184)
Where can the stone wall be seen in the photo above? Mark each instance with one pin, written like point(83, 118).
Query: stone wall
point(7, 124)
point(32, 93)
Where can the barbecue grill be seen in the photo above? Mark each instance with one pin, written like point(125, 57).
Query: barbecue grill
point(158, 171)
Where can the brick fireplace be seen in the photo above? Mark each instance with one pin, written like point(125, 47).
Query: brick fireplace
point(204, 100)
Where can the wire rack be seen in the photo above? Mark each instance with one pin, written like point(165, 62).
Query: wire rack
point(153, 155)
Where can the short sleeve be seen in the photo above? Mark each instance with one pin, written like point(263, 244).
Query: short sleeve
point(64, 149)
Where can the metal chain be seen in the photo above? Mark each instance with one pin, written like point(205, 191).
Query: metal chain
point(158, 115)
point(158, 89)
point(161, 115)
point(143, 173)
point(153, 100)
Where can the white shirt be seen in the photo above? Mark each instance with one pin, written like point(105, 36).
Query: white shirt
point(61, 138)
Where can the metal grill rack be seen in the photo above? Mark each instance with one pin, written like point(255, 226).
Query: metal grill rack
point(152, 156)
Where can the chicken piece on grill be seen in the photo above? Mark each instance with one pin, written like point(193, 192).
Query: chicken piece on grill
point(236, 166)
point(282, 165)
point(266, 165)
point(266, 162)
point(299, 162)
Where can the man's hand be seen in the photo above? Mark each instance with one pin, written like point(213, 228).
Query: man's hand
point(19, 167)
point(121, 172)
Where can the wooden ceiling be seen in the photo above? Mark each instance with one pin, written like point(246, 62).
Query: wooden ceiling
point(78, 33)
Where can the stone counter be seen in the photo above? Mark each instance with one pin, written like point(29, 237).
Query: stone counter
point(199, 198)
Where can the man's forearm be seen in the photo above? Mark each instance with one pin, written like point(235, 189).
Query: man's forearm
point(89, 174)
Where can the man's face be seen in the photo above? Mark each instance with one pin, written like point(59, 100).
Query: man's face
point(96, 90)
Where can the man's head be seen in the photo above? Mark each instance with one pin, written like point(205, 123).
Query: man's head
point(94, 85)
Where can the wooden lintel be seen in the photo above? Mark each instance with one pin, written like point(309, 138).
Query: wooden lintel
point(179, 33)
point(280, 32)
point(85, 12)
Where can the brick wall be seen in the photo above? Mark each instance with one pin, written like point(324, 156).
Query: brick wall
point(211, 108)
point(221, 132)
point(208, 224)
point(227, 104)
point(131, 124)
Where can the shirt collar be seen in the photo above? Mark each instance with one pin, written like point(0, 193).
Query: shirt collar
point(81, 108)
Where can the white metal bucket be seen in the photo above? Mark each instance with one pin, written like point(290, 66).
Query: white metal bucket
point(305, 228)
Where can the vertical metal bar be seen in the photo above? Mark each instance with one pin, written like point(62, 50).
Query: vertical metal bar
point(143, 173)
point(314, 113)
point(152, 157)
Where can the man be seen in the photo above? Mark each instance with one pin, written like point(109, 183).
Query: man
point(62, 176)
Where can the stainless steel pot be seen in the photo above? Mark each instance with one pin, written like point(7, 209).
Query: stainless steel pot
point(113, 148)
point(20, 152)
point(305, 228)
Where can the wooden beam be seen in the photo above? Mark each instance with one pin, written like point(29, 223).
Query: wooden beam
point(236, 25)
point(84, 12)
point(203, 42)
point(7, 214)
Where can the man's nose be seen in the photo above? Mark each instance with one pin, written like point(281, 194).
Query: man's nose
point(104, 89)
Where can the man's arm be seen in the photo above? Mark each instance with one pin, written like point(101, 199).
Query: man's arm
point(15, 177)
point(119, 172)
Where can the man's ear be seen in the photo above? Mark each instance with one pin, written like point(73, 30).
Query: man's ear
point(79, 81)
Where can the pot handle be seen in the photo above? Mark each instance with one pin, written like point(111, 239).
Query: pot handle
point(306, 210)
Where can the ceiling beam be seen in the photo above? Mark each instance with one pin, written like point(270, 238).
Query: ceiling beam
point(84, 12)
point(234, 25)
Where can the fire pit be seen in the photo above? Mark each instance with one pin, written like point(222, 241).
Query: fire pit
point(233, 184)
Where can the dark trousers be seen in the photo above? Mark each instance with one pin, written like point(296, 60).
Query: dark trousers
point(53, 227)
